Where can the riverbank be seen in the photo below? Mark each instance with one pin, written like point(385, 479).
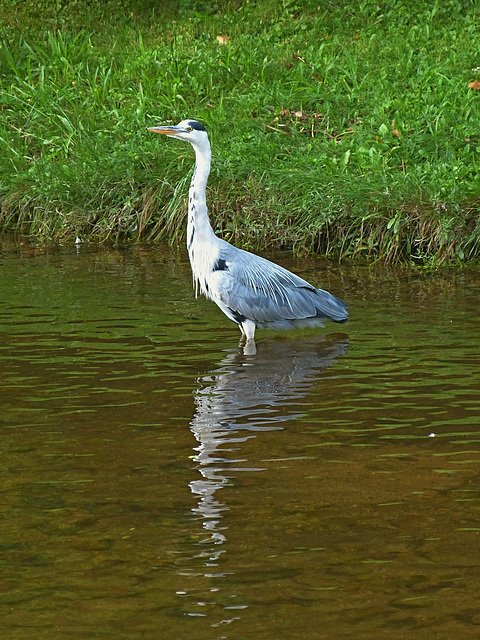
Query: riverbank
point(343, 128)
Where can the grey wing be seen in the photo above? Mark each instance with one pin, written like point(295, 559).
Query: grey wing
point(265, 292)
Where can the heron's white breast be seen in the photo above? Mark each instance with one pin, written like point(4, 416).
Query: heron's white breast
point(203, 257)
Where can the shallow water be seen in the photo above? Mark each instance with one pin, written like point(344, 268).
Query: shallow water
point(157, 483)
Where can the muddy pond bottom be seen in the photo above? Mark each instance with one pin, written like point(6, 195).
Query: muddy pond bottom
point(157, 483)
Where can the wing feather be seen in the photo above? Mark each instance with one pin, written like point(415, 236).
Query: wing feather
point(265, 292)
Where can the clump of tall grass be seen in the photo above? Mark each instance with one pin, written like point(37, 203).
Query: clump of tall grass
point(347, 128)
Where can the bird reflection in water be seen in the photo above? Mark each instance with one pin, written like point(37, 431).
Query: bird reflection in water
point(242, 396)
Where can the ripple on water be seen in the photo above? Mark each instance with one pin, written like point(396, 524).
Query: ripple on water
point(157, 482)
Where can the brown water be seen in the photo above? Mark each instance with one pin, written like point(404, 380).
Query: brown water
point(156, 483)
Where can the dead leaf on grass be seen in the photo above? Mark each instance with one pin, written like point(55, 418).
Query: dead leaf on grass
point(395, 131)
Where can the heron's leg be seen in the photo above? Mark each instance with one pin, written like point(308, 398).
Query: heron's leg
point(250, 348)
point(243, 337)
point(248, 329)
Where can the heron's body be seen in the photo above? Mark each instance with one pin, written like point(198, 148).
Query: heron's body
point(251, 291)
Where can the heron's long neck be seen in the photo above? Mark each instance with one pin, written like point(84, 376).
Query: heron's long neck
point(198, 221)
point(200, 236)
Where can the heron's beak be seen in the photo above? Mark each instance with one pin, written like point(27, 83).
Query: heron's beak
point(168, 131)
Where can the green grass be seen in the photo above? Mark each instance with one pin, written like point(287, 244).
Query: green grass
point(341, 127)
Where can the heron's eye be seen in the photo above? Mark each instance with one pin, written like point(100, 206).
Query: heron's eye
point(189, 128)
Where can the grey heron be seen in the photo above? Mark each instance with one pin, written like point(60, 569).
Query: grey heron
point(250, 290)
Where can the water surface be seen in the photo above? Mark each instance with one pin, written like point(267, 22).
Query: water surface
point(157, 483)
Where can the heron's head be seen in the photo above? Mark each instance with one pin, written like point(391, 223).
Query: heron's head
point(189, 130)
